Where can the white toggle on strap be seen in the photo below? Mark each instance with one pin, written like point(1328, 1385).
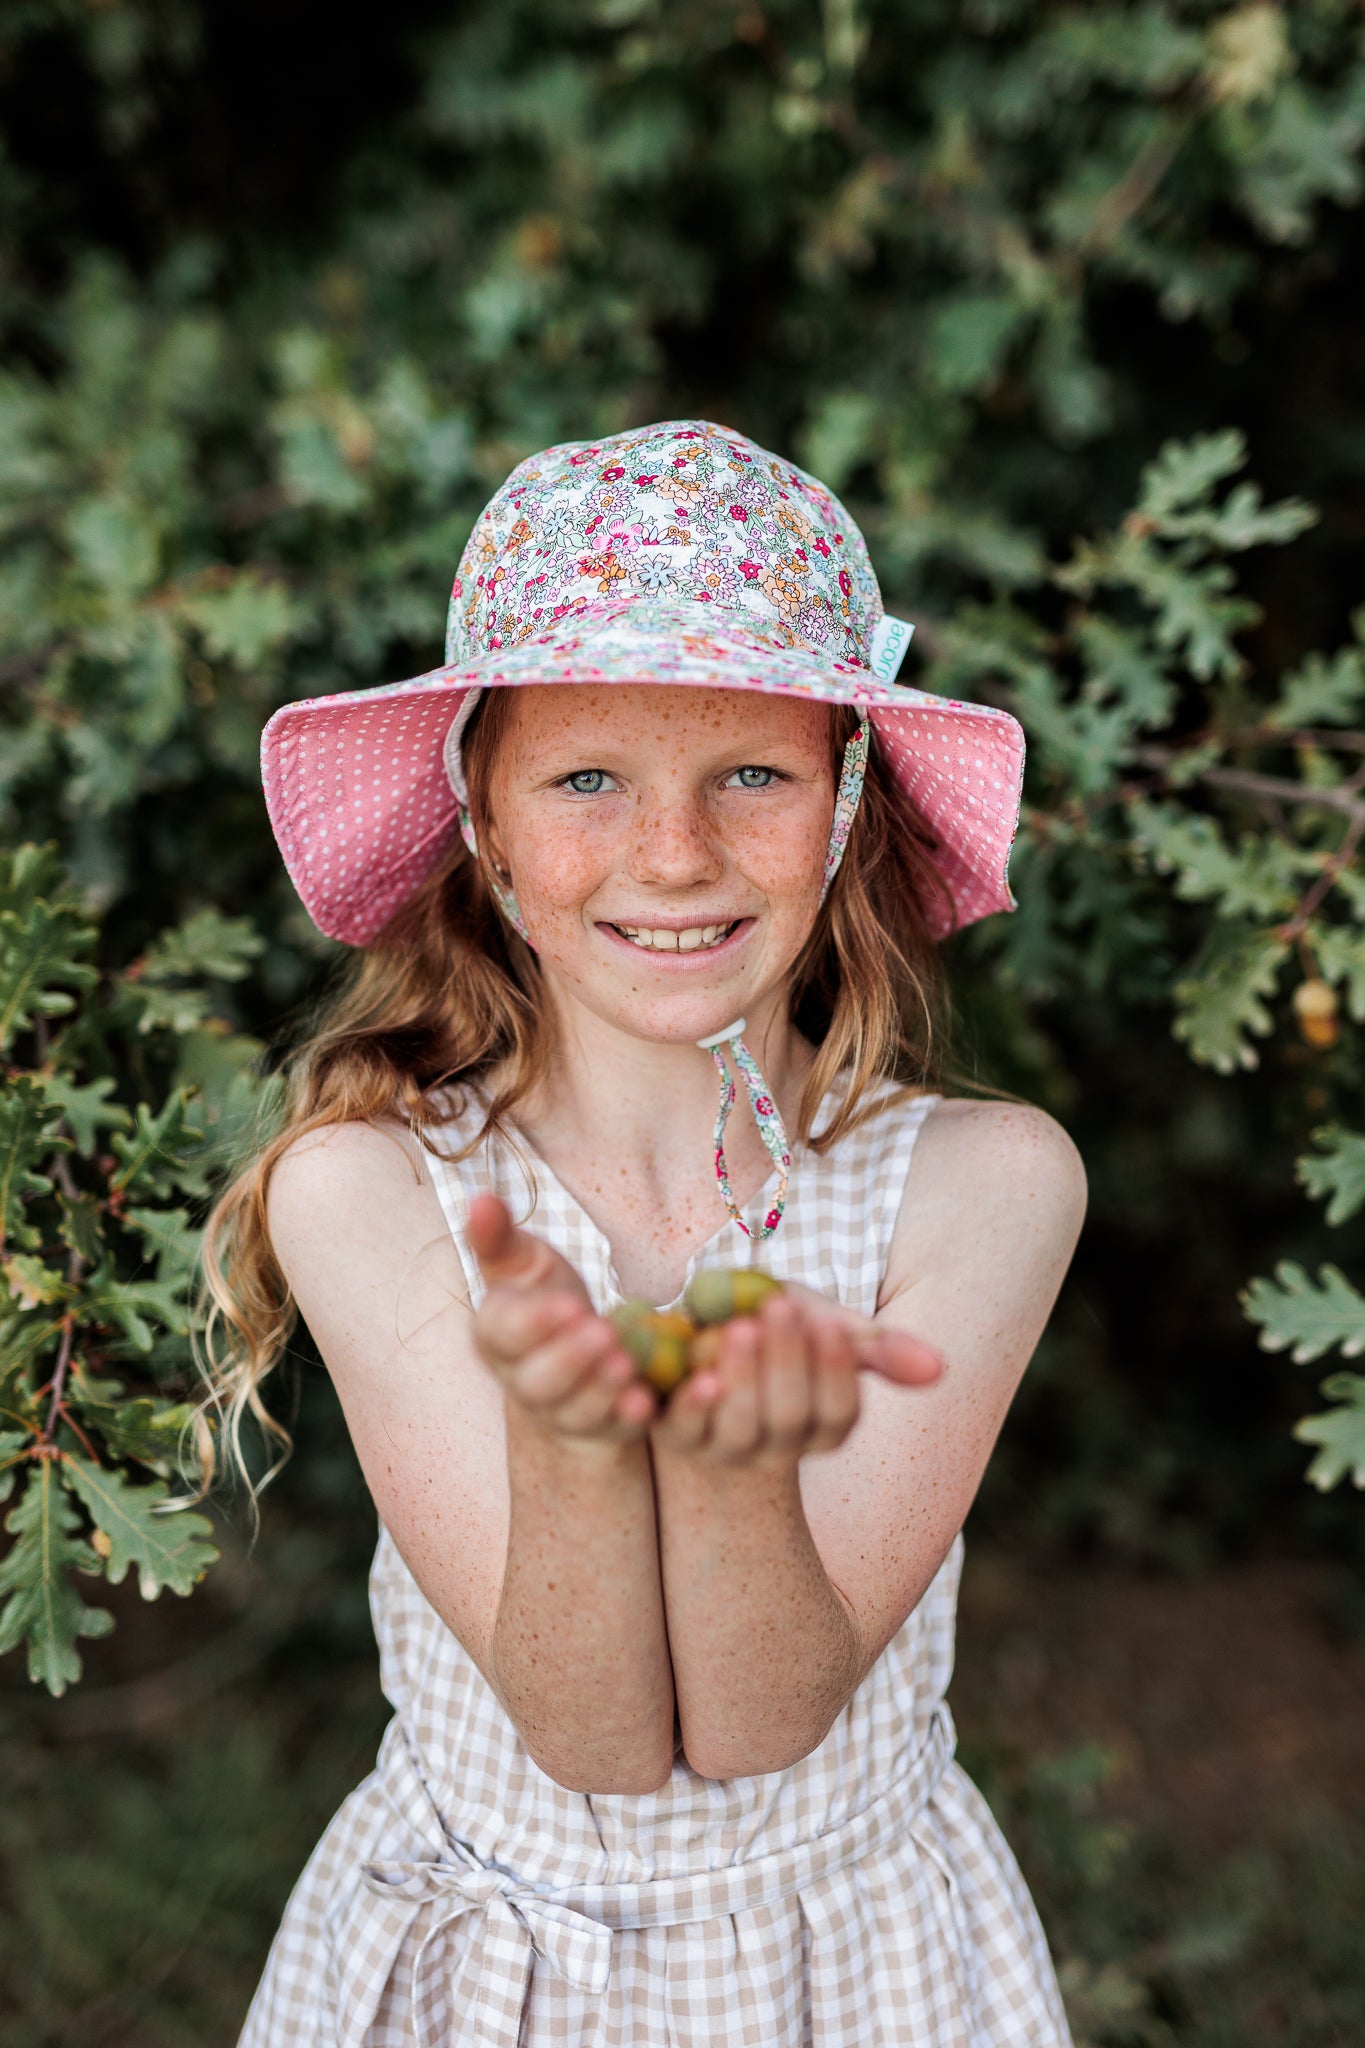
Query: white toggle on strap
point(735, 1030)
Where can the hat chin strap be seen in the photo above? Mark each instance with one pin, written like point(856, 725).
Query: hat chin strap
point(503, 895)
point(766, 1114)
point(765, 1111)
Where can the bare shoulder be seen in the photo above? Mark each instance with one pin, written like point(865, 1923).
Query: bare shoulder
point(962, 1133)
point(981, 1170)
point(349, 1209)
point(372, 1162)
point(360, 1235)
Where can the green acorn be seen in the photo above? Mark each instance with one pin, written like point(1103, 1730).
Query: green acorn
point(659, 1340)
point(719, 1296)
point(669, 1344)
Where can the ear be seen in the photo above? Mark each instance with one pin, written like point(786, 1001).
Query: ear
point(494, 846)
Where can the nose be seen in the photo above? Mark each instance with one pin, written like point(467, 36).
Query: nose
point(674, 843)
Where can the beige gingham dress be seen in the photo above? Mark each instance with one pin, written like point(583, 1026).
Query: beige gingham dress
point(862, 1898)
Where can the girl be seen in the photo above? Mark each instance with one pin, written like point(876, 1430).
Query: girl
point(670, 1760)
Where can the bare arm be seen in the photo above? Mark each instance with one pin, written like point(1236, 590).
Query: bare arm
point(579, 1652)
point(539, 1553)
point(787, 1573)
point(765, 1650)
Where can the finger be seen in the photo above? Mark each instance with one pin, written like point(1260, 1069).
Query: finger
point(897, 1356)
point(509, 1323)
point(592, 1407)
point(685, 1424)
point(785, 1371)
point(504, 1250)
point(489, 1231)
point(736, 1422)
point(610, 1398)
point(636, 1407)
point(883, 1348)
point(836, 1398)
point(880, 1346)
point(562, 1372)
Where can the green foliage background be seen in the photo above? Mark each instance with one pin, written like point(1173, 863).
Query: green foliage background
point(1058, 296)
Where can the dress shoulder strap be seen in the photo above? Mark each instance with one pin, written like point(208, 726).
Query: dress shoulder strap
point(893, 1138)
point(890, 1136)
point(848, 1217)
point(457, 1180)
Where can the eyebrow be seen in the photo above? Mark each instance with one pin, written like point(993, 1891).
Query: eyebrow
point(597, 747)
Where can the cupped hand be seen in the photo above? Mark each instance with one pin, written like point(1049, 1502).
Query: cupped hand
point(536, 1329)
point(879, 1347)
point(784, 1383)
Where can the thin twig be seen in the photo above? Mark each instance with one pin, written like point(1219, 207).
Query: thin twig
point(1130, 193)
point(1289, 736)
point(1268, 788)
point(58, 1381)
point(75, 1269)
point(1332, 867)
point(1248, 783)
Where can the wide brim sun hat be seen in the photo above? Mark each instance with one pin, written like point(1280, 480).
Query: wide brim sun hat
point(682, 554)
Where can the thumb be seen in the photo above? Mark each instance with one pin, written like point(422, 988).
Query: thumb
point(503, 1251)
point(507, 1253)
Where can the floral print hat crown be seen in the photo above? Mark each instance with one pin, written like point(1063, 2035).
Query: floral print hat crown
point(680, 553)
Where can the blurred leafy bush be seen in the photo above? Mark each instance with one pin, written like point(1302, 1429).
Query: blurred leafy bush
point(273, 332)
point(1258, 1947)
point(97, 1248)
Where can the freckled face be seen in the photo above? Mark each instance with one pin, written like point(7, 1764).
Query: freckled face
point(632, 815)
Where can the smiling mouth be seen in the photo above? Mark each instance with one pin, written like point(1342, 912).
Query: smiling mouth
point(698, 938)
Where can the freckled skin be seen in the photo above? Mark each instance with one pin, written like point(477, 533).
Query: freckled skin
point(673, 838)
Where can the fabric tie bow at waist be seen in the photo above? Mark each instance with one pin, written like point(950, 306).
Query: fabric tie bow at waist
point(569, 1929)
point(519, 1928)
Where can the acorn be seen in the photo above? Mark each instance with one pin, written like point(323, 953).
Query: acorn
point(669, 1344)
point(658, 1339)
point(718, 1296)
point(1315, 1006)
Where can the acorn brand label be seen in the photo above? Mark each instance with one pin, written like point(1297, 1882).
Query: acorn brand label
point(889, 643)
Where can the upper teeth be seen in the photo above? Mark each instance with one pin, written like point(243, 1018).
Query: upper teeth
point(674, 942)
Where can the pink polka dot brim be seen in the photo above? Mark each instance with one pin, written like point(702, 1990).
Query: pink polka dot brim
point(363, 809)
point(680, 554)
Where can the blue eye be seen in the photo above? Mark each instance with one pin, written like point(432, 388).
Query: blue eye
point(588, 782)
point(753, 778)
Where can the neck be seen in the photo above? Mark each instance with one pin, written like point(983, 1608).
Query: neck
point(649, 1108)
